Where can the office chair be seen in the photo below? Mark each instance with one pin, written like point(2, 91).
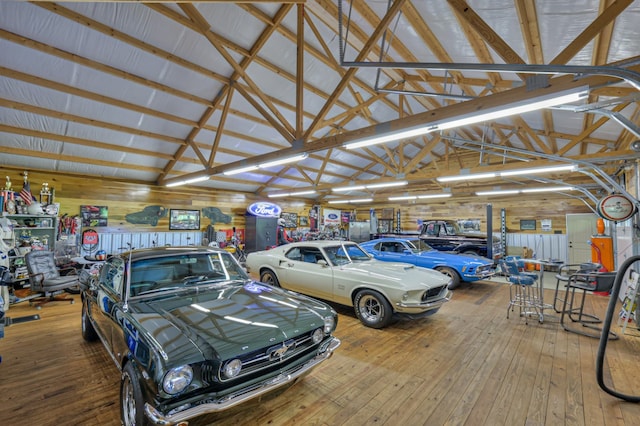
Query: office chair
point(45, 278)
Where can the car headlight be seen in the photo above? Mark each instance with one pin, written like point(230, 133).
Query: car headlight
point(232, 368)
point(329, 324)
point(177, 379)
point(317, 336)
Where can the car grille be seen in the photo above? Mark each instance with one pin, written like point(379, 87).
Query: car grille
point(484, 268)
point(433, 293)
point(264, 358)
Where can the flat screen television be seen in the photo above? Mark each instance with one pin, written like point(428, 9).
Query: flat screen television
point(184, 220)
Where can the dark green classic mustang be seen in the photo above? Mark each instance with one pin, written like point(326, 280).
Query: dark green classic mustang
point(193, 334)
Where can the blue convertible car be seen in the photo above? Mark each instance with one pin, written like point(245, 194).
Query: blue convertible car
point(460, 267)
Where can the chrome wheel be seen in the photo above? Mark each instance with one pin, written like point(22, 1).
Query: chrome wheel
point(372, 309)
point(131, 402)
point(128, 402)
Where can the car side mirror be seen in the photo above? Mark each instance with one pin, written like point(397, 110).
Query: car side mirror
point(322, 262)
point(406, 251)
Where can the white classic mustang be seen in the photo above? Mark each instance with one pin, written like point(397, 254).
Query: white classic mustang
point(341, 272)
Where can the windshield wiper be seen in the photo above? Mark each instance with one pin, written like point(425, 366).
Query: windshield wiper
point(159, 290)
point(206, 277)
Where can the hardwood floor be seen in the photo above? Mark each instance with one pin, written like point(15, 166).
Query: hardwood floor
point(466, 365)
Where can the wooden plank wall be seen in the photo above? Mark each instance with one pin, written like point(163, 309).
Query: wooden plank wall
point(123, 198)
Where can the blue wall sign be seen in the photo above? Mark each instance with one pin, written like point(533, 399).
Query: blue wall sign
point(264, 209)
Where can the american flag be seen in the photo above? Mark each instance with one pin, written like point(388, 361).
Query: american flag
point(25, 194)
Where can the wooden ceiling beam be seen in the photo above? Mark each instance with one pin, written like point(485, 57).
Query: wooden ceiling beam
point(377, 33)
point(57, 9)
point(299, 130)
point(221, 125)
point(595, 126)
point(501, 47)
point(80, 160)
point(423, 30)
point(239, 69)
point(528, 18)
point(605, 18)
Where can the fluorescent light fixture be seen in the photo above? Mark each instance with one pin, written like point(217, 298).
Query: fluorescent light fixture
point(309, 192)
point(240, 170)
point(421, 197)
point(348, 188)
point(467, 177)
point(533, 170)
point(357, 200)
point(486, 114)
point(386, 184)
point(505, 192)
point(283, 161)
point(530, 190)
point(404, 198)
point(434, 196)
point(372, 186)
point(198, 179)
point(267, 164)
point(527, 105)
point(187, 181)
point(549, 189)
point(405, 134)
point(292, 194)
point(551, 169)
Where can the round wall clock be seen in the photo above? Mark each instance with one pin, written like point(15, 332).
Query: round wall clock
point(616, 207)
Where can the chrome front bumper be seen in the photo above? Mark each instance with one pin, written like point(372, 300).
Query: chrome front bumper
point(158, 418)
point(418, 308)
point(477, 277)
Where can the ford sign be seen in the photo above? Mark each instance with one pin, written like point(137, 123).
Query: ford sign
point(264, 209)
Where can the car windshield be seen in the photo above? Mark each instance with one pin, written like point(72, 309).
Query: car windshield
point(346, 253)
point(418, 245)
point(183, 270)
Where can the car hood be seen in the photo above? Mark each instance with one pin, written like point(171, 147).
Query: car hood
point(451, 258)
point(227, 321)
point(404, 275)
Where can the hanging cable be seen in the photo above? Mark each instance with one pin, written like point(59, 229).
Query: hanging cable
point(606, 326)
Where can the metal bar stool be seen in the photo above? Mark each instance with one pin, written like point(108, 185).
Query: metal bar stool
point(522, 291)
point(592, 282)
point(564, 272)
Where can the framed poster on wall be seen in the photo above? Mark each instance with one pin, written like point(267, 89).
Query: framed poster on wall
point(94, 215)
point(184, 220)
point(527, 225)
point(290, 219)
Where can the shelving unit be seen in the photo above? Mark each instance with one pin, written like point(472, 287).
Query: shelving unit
point(41, 228)
point(29, 232)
